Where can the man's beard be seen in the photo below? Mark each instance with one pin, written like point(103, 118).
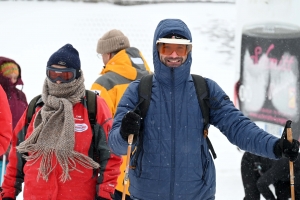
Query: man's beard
point(173, 62)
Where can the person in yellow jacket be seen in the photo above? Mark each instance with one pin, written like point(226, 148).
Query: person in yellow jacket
point(123, 64)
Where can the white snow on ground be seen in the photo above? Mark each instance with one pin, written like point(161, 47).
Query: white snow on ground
point(32, 30)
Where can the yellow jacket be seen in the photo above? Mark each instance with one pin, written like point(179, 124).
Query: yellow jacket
point(126, 66)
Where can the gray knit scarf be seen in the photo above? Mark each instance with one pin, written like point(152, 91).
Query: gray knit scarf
point(53, 133)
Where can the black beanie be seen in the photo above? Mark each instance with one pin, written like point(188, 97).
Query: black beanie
point(66, 56)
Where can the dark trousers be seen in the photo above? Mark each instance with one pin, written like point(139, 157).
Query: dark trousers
point(252, 168)
point(250, 175)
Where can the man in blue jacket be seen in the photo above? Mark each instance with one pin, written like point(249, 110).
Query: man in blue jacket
point(174, 161)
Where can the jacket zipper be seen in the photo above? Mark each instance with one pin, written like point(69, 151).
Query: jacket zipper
point(172, 135)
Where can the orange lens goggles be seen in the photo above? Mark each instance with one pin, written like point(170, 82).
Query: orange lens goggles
point(65, 75)
point(168, 49)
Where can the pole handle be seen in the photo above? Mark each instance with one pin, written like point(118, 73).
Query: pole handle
point(130, 139)
point(290, 139)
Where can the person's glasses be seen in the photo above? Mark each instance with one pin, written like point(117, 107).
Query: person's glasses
point(64, 75)
point(168, 49)
point(99, 56)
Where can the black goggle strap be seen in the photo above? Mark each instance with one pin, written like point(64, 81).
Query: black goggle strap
point(62, 69)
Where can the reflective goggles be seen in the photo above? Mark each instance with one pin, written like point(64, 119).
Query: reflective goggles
point(64, 75)
point(168, 49)
point(166, 46)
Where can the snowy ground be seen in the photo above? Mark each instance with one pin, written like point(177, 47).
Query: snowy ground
point(31, 31)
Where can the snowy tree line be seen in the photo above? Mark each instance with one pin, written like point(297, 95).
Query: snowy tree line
point(136, 2)
point(139, 2)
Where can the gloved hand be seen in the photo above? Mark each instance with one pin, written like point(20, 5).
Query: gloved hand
point(131, 124)
point(284, 148)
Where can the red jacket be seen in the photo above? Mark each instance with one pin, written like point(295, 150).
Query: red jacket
point(83, 185)
point(5, 122)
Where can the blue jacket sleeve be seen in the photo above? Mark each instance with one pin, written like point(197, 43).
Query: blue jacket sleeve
point(238, 129)
point(127, 103)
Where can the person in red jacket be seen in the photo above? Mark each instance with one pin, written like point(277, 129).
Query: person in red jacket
point(52, 155)
point(5, 122)
point(10, 78)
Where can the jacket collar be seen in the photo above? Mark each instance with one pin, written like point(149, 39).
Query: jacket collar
point(127, 63)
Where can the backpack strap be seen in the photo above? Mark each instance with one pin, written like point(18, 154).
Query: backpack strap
point(36, 101)
point(145, 91)
point(202, 94)
point(91, 104)
point(91, 98)
point(31, 107)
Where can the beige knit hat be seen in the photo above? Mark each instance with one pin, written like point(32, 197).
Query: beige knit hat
point(113, 40)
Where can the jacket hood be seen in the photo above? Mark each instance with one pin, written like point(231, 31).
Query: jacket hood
point(162, 72)
point(5, 60)
point(128, 63)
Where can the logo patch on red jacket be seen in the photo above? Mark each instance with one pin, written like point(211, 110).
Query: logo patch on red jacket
point(80, 127)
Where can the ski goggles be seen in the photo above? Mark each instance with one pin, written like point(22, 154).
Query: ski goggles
point(166, 46)
point(64, 75)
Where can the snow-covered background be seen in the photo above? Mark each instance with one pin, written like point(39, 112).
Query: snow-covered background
point(32, 30)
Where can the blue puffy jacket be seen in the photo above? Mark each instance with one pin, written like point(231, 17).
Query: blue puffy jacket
point(175, 162)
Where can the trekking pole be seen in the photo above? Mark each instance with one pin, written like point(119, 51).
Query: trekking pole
point(130, 139)
point(290, 139)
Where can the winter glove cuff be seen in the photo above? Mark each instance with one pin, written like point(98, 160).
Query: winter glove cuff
point(277, 150)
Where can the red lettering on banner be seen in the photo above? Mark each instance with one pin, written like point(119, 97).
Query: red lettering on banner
point(284, 63)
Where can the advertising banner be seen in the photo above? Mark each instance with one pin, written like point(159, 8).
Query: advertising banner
point(269, 89)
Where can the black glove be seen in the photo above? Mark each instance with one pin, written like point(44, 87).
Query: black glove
point(284, 148)
point(131, 124)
